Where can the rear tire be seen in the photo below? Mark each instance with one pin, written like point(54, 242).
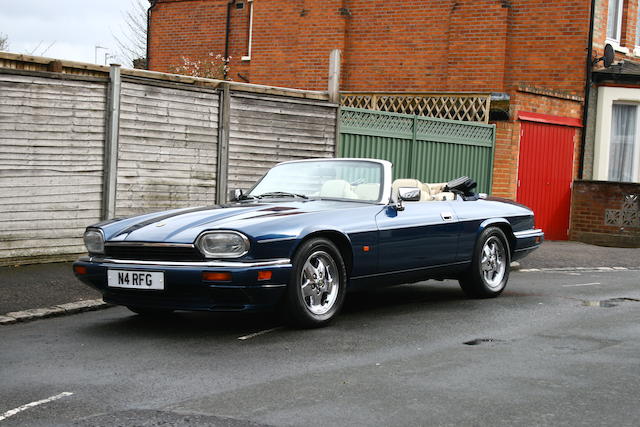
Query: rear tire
point(489, 272)
point(150, 312)
point(317, 286)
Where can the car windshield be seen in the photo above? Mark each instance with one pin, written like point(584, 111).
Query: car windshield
point(345, 179)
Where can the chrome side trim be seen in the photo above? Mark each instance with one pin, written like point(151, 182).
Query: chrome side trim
point(221, 286)
point(201, 264)
point(410, 270)
point(151, 244)
point(279, 239)
point(528, 233)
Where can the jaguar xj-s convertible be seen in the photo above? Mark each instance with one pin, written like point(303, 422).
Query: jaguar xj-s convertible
point(307, 233)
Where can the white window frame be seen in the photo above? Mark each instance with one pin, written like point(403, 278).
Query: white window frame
point(607, 96)
point(247, 57)
point(615, 42)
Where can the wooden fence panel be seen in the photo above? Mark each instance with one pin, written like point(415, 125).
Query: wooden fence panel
point(167, 148)
point(51, 163)
point(53, 128)
point(266, 130)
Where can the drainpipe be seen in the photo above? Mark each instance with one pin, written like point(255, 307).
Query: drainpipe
point(153, 3)
point(587, 89)
point(226, 34)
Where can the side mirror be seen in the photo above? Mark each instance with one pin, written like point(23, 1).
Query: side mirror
point(409, 194)
point(235, 195)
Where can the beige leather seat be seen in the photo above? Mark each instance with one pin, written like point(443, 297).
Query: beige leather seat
point(337, 188)
point(438, 193)
point(367, 191)
point(436, 188)
point(444, 195)
point(425, 194)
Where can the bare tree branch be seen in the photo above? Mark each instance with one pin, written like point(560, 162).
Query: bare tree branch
point(132, 37)
point(33, 51)
point(44, 51)
point(4, 42)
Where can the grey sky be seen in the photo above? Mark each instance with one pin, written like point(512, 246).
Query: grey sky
point(76, 27)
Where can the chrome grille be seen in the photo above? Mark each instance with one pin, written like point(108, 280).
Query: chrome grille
point(153, 252)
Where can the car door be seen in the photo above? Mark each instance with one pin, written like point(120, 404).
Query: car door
point(424, 234)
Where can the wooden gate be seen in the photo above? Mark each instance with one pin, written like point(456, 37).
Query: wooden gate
point(545, 170)
point(425, 148)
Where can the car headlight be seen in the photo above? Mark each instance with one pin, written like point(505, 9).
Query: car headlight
point(223, 244)
point(94, 241)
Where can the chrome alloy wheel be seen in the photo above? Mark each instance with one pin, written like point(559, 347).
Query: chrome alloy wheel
point(319, 282)
point(493, 262)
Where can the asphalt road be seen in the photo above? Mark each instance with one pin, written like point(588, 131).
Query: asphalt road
point(558, 348)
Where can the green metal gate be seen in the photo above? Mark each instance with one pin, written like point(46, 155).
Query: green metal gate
point(425, 148)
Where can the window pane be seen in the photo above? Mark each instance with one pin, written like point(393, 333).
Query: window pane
point(360, 180)
point(623, 140)
point(612, 23)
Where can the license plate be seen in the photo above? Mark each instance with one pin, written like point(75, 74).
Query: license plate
point(135, 279)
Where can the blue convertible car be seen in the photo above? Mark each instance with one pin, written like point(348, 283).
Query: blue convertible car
point(303, 236)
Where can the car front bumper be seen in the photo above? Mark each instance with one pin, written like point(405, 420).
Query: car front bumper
point(526, 241)
point(184, 286)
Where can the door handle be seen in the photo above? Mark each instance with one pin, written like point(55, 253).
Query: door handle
point(447, 216)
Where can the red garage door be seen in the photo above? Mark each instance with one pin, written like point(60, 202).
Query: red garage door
point(545, 170)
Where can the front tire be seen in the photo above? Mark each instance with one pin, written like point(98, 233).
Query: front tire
point(489, 271)
point(318, 283)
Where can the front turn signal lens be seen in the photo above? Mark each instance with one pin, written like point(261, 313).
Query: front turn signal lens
point(216, 276)
point(264, 275)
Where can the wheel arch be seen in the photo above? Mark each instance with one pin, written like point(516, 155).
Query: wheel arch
point(338, 238)
point(504, 226)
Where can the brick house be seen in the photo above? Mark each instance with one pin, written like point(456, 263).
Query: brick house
point(531, 54)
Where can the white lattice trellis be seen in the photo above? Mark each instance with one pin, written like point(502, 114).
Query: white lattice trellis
point(465, 107)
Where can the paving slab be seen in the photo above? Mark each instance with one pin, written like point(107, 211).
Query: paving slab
point(40, 285)
point(558, 254)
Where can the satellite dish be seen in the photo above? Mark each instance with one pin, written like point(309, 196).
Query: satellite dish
point(609, 55)
point(608, 58)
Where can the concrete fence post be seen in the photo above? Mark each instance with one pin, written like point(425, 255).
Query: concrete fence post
point(334, 76)
point(112, 130)
point(224, 122)
point(334, 91)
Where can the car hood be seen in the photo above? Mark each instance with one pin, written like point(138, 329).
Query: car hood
point(184, 225)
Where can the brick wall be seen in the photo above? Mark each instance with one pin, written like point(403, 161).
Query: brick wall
point(547, 44)
point(628, 30)
point(589, 205)
point(185, 28)
point(461, 45)
point(409, 45)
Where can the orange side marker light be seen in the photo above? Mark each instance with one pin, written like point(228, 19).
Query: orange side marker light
point(216, 276)
point(366, 248)
point(264, 275)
